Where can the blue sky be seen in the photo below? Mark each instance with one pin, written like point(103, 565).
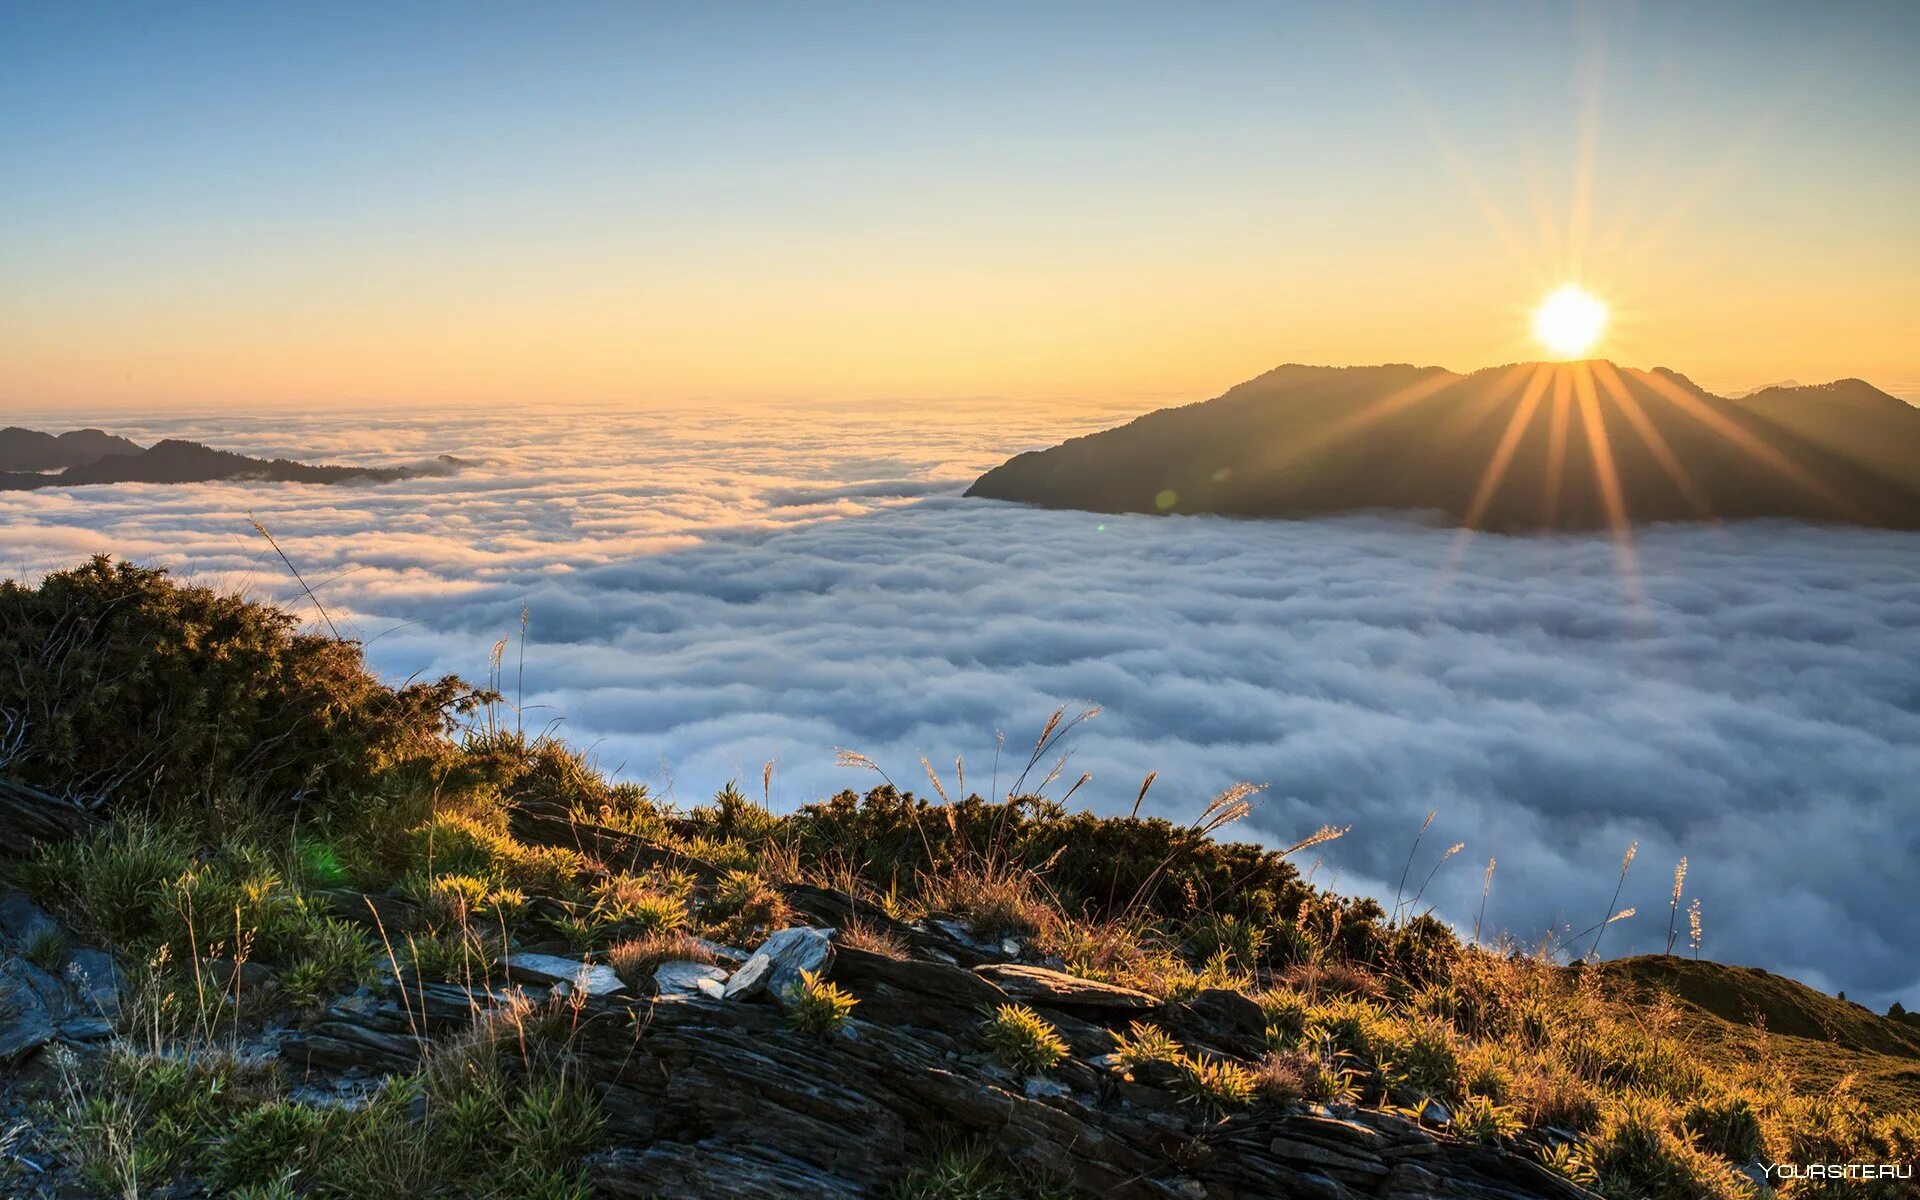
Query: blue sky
point(563, 180)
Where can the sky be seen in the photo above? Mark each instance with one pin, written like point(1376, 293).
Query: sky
point(235, 205)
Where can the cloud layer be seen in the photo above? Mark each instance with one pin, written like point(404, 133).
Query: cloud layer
point(712, 589)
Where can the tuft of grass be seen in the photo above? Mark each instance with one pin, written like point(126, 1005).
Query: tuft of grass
point(815, 1006)
point(970, 1171)
point(47, 949)
point(1287, 1076)
point(634, 959)
point(1637, 1151)
point(1422, 1058)
point(1022, 1041)
point(994, 901)
point(873, 939)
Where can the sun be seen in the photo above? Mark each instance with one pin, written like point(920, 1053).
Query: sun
point(1568, 322)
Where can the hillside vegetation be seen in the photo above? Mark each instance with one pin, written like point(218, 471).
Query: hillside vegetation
point(375, 942)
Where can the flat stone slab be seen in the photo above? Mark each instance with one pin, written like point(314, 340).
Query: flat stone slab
point(595, 979)
point(685, 978)
point(1038, 985)
point(898, 991)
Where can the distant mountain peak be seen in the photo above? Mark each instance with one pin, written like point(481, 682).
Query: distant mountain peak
point(1565, 445)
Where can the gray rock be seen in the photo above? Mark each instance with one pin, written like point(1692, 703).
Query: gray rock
point(253, 976)
point(1435, 1113)
point(914, 992)
point(548, 969)
point(1057, 989)
point(1045, 1089)
point(712, 989)
point(21, 1035)
point(730, 955)
point(86, 1029)
point(26, 1018)
point(685, 978)
point(1229, 1010)
point(95, 979)
point(777, 964)
point(23, 921)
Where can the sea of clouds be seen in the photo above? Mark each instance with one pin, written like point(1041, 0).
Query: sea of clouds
point(710, 588)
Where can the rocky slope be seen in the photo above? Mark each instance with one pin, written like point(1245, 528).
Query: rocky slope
point(709, 1093)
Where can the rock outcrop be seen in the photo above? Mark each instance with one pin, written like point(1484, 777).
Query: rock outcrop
point(51, 989)
point(709, 1097)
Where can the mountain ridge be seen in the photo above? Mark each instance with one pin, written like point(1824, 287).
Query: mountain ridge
point(1519, 447)
point(95, 457)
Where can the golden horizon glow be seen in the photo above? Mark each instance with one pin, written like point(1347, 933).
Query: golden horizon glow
point(1569, 321)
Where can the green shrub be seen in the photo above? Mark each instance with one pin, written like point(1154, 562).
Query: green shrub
point(193, 694)
point(1240, 942)
point(1422, 1058)
point(1637, 1153)
point(264, 1145)
point(1022, 1041)
point(110, 883)
point(1727, 1125)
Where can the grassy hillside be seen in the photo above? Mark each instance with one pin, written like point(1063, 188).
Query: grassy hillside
point(1746, 1014)
point(265, 829)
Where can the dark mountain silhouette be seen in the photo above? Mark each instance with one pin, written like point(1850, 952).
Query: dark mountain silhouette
point(32, 450)
point(175, 461)
point(1529, 446)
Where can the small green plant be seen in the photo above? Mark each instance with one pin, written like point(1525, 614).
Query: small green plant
point(815, 1006)
point(551, 1125)
point(1479, 1119)
point(1022, 1041)
point(637, 904)
point(1569, 1163)
point(743, 901)
point(1286, 1013)
point(1144, 1043)
point(1214, 1084)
